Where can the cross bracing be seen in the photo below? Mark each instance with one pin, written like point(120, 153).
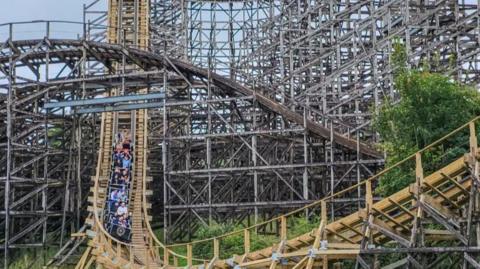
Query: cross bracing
point(268, 107)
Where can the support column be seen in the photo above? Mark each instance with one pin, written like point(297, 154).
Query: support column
point(11, 72)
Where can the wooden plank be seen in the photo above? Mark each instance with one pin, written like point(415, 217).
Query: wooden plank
point(440, 219)
point(351, 228)
point(389, 231)
point(445, 198)
point(456, 183)
point(283, 228)
point(391, 219)
point(439, 207)
point(401, 207)
point(216, 248)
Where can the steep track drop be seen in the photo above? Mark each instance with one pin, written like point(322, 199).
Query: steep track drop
point(128, 25)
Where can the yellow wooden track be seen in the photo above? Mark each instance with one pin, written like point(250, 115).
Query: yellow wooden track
point(444, 198)
point(426, 217)
point(128, 25)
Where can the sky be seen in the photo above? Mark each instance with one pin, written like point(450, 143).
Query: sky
point(28, 10)
point(32, 10)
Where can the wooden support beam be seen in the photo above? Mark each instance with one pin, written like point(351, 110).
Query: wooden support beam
point(216, 247)
point(283, 227)
point(363, 263)
point(351, 228)
point(447, 213)
point(432, 212)
point(166, 257)
point(189, 256)
point(387, 230)
point(475, 264)
point(419, 182)
point(246, 241)
point(445, 198)
point(412, 261)
point(401, 207)
point(455, 182)
point(339, 235)
point(300, 263)
point(473, 139)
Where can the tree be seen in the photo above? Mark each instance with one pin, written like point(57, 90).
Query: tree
point(431, 105)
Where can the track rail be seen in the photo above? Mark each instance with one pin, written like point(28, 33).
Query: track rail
point(62, 50)
point(129, 26)
point(394, 224)
point(434, 188)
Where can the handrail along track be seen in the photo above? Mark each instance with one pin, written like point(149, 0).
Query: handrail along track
point(393, 220)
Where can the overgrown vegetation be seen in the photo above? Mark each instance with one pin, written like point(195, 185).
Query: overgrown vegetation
point(431, 105)
point(234, 244)
point(32, 259)
point(55, 137)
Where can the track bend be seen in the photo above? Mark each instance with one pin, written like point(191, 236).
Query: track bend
point(432, 217)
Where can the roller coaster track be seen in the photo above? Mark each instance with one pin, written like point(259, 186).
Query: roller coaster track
point(432, 218)
point(394, 224)
point(104, 248)
point(398, 223)
point(128, 25)
point(61, 51)
point(435, 210)
point(435, 216)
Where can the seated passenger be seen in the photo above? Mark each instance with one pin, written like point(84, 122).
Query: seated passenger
point(122, 222)
point(119, 137)
point(125, 176)
point(126, 162)
point(125, 134)
point(122, 210)
point(116, 221)
point(117, 178)
point(118, 162)
point(118, 149)
point(115, 207)
point(126, 144)
point(126, 152)
point(122, 197)
point(114, 195)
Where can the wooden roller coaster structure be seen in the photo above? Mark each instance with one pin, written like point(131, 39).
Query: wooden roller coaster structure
point(433, 217)
point(429, 220)
point(436, 215)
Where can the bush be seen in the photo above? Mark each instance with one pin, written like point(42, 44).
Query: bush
point(431, 106)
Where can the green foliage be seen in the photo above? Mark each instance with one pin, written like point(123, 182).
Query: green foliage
point(55, 137)
point(399, 57)
point(230, 245)
point(302, 225)
point(32, 259)
point(431, 106)
point(234, 244)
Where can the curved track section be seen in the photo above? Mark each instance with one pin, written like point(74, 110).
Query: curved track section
point(144, 250)
point(396, 224)
point(417, 227)
point(61, 51)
